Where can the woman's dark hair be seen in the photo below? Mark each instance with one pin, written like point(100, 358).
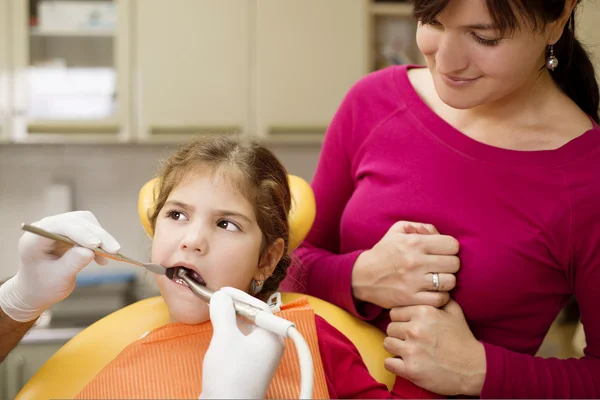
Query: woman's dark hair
point(575, 72)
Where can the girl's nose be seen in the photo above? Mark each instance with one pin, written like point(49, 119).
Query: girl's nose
point(195, 239)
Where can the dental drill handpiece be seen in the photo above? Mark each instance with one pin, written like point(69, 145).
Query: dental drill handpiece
point(242, 309)
point(270, 322)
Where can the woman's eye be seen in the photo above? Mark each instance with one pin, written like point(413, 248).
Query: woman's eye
point(485, 42)
point(176, 215)
point(228, 225)
point(434, 23)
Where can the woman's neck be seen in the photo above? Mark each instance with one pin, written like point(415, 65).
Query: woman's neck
point(536, 116)
point(524, 106)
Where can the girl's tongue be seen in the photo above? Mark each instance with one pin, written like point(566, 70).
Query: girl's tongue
point(191, 273)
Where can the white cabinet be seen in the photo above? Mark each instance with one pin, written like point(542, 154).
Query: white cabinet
point(70, 70)
point(22, 363)
point(308, 54)
point(4, 71)
point(588, 30)
point(191, 67)
point(268, 67)
point(169, 69)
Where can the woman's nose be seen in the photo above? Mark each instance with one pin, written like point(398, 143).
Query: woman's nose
point(451, 56)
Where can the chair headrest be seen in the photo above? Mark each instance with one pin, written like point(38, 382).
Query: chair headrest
point(301, 218)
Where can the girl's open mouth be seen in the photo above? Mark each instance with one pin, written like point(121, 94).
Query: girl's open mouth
point(191, 273)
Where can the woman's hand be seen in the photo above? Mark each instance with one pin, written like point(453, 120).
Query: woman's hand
point(399, 270)
point(435, 349)
point(242, 358)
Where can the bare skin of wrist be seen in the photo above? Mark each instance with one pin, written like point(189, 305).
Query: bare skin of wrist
point(473, 382)
point(360, 291)
point(11, 333)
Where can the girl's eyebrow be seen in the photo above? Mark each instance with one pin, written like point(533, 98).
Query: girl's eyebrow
point(179, 204)
point(230, 213)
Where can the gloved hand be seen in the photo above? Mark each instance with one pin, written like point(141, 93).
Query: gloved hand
point(45, 277)
point(238, 366)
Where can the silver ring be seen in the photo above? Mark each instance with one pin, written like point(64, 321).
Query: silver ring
point(436, 281)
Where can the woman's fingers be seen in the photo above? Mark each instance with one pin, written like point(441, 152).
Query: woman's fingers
point(394, 346)
point(447, 282)
point(440, 264)
point(434, 299)
point(395, 365)
point(440, 245)
point(421, 229)
point(399, 315)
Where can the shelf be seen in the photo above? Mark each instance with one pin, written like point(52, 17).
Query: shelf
point(73, 127)
point(392, 9)
point(293, 139)
point(82, 33)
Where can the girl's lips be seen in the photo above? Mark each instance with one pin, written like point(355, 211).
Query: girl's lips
point(191, 273)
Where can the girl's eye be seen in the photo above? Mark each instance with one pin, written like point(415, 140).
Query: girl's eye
point(485, 42)
point(176, 215)
point(228, 225)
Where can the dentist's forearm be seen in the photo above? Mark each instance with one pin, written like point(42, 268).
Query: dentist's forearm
point(11, 332)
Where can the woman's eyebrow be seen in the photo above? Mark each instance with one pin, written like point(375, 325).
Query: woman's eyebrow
point(481, 27)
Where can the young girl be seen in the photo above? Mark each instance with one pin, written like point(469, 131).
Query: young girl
point(221, 215)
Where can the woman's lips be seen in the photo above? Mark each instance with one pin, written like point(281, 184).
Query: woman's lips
point(457, 81)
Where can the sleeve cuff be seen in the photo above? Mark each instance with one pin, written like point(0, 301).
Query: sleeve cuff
point(335, 286)
point(492, 385)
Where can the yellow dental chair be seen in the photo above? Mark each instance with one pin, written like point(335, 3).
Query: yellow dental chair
point(68, 371)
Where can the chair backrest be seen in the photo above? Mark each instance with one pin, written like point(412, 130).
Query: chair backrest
point(75, 364)
point(84, 356)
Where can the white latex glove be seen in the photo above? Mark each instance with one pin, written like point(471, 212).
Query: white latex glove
point(238, 366)
point(44, 278)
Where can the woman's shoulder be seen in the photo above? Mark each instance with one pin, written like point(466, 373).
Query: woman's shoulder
point(377, 96)
point(387, 82)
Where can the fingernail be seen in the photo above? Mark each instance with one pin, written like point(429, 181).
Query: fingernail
point(112, 247)
point(93, 242)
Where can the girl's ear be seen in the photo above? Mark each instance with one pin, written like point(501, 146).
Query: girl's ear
point(269, 260)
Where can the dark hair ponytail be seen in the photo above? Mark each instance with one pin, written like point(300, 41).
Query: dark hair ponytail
point(575, 72)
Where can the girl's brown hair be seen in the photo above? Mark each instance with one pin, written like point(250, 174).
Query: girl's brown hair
point(575, 72)
point(257, 173)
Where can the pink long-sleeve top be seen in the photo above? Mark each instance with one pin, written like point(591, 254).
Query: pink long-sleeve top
point(528, 224)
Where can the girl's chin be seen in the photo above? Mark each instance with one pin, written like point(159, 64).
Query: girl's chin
point(188, 319)
point(190, 313)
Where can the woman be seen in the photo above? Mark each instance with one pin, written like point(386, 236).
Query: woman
point(497, 145)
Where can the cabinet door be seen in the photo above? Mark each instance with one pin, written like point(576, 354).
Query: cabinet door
point(309, 53)
point(4, 70)
point(24, 361)
point(70, 73)
point(588, 30)
point(191, 67)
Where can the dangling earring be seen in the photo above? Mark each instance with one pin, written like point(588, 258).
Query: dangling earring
point(256, 287)
point(551, 60)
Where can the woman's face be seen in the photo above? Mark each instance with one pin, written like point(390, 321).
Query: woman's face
point(471, 63)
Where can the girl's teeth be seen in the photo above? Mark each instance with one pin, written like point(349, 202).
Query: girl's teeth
point(181, 282)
